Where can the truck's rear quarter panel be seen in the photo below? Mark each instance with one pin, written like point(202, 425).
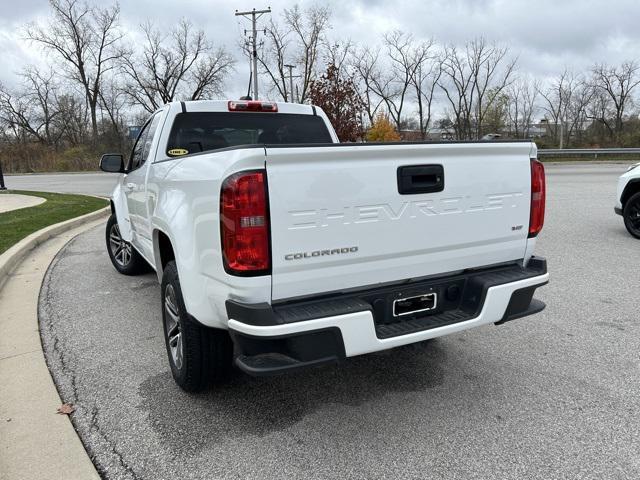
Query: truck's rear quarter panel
point(346, 197)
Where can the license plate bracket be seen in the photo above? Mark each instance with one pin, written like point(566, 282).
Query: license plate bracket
point(415, 304)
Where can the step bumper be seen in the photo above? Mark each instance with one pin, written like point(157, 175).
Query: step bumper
point(264, 348)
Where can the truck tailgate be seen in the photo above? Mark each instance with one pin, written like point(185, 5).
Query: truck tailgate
point(339, 220)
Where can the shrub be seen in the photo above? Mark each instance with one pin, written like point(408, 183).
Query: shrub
point(382, 130)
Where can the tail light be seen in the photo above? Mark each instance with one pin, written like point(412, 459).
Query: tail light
point(244, 224)
point(252, 106)
point(538, 198)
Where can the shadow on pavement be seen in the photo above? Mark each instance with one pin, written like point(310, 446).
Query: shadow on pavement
point(258, 406)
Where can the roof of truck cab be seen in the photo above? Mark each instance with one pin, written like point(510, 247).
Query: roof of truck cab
point(223, 106)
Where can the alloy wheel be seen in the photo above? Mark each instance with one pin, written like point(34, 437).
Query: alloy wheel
point(172, 326)
point(120, 249)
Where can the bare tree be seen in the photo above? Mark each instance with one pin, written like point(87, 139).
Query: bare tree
point(615, 85)
point(209, 75)
point(556, 100)
point(31, 112)
point(395, 88)
point(472, 80)
point(86, 39)
point(75, 116)
point(275, 57)
point(599, 111)
point(113, 100)
point(566, 103)
point(426, 74)
point(308, 28)
point(179, 65)
point(455, 81)
point(365, 63)
point(492, 74)
point(577, 112)
point(298, 39)
point(339, 54)
point(522, 94)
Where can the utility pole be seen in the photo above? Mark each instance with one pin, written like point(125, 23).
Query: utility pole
point(255, 15)
point(291, 67)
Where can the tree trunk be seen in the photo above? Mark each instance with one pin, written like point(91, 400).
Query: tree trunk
point(94, 124)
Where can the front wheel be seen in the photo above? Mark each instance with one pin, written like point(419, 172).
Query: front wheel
point(197, 355)
point(124, 257)
point(631, 215)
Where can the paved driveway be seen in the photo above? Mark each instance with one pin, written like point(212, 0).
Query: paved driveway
point(552, 396)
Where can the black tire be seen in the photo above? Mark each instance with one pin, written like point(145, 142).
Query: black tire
point(205, 353)
point(124, 257)
point(631, 215)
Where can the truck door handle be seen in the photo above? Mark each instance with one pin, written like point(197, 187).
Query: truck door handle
point(413, 179)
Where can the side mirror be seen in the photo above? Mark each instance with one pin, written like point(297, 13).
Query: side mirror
point(112, 163)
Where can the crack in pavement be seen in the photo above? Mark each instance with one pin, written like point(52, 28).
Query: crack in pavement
point(64, 377)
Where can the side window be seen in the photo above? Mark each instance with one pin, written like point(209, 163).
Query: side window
point(142, 146)
point(148, 139)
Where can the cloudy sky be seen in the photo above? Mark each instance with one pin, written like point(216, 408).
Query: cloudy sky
point(547, 35)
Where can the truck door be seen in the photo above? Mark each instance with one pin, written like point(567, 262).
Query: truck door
point(134, 184)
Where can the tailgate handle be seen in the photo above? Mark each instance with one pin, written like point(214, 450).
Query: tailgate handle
point(414, 179)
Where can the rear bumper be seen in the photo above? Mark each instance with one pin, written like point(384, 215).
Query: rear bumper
point(275, 339)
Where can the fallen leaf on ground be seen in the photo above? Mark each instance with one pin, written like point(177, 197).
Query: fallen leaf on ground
point(66, 409)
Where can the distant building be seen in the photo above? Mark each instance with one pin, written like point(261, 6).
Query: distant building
point(438, 133)
point(432, 134)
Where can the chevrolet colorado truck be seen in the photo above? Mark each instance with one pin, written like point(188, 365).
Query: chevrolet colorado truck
point(277, 247)
point(628, 199)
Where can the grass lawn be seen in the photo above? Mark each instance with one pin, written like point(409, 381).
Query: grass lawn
point(17, 224)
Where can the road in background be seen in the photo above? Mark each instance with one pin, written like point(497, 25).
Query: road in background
point(88, 183)
point(103, 183)
point(556, 395)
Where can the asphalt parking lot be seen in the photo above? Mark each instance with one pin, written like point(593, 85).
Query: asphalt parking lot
point(551, 396)
point(97, 183)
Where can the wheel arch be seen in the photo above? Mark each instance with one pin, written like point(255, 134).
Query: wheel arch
point(632, 187)
point(120, 209)
point(163, 250)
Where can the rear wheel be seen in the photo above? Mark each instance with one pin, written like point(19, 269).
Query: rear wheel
point(631, 215)
point(197, 355)
point(124, 257)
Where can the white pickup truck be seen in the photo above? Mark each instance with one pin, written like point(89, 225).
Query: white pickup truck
point(277, 247)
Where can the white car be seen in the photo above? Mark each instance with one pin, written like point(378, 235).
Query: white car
point(278, 248)
point(628, 199)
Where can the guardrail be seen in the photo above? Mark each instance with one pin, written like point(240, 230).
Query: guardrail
point(586, 152)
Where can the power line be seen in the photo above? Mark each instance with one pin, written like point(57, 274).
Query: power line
point(255, 15)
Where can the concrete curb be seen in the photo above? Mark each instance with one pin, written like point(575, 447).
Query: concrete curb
point(35, 442)
point(15, 254)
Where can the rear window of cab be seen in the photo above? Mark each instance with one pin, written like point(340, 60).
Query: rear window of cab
point(195, 132)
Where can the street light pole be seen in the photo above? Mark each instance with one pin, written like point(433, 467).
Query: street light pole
point(291, 67)
point(255, 15)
